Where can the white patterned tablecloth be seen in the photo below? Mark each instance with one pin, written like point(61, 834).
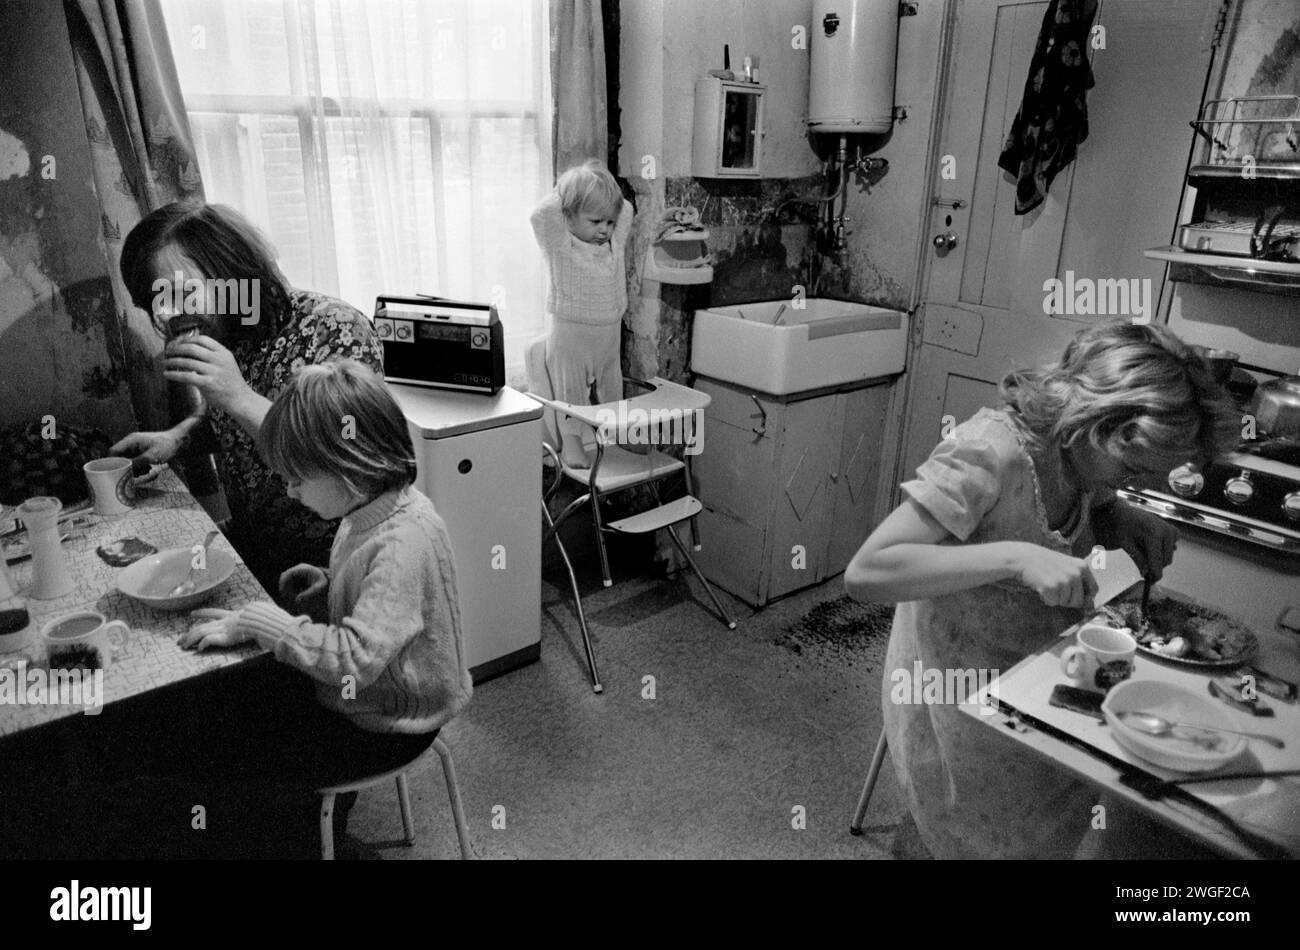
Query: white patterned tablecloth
point(167, 516)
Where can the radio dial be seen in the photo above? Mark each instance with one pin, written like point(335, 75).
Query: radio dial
point(1239, 490)
point(1186, 481)
point(1291, 506)
point(383, 330)
point(403, 333)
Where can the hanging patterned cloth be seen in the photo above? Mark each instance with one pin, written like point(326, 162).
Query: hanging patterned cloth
point(1053, 116)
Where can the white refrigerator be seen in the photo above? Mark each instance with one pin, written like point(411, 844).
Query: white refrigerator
point(480, 463)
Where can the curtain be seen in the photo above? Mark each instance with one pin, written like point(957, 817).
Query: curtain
point(141, 156)
point(578, 82)
point(384, 146)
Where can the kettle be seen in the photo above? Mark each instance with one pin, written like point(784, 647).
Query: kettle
point(1276, 407)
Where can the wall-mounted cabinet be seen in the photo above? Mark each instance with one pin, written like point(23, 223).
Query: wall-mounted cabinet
point(728, 139)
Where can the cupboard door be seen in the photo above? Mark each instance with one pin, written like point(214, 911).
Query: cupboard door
point(856, 473)
point(741, 131)
point(801, 519)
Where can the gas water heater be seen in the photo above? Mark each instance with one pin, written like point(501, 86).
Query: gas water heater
point(853, 48)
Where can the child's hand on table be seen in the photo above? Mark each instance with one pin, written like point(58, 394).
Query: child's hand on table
point(219, 630)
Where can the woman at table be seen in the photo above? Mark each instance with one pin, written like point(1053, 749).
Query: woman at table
point(243, 357)
point(986, 558)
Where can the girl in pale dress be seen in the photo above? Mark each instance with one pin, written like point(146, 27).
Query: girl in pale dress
point(987, 560)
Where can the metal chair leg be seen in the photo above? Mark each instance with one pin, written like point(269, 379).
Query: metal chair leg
point(453, 795)
point(577, 600)
point(600, 537)
point(327, 827)
point(695, 520)
point(404, 804)
point(708, 589)
point(855, 827)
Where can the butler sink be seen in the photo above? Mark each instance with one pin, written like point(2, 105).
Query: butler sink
point(782, 347)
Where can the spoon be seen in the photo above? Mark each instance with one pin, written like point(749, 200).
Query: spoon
point(187, 586)
point(1154, 725)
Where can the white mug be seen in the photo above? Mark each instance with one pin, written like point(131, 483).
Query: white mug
point(1101, 657)
point(83, 639)
point(110, 485)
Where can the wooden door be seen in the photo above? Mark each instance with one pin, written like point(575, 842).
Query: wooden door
point(982, 311)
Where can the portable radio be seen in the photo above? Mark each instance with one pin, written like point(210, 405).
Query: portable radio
point(446, 344)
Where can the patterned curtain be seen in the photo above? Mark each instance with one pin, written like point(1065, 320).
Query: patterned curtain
point(578, 83)
point(141, 154)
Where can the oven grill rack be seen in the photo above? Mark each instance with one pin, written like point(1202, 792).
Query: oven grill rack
point(1249, 135)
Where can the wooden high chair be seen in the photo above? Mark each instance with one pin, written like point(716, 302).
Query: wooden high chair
point(615, 468)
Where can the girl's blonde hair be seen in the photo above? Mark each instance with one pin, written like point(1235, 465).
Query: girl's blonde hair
point(589, 186)
point(1130, 391)
point(339, 419)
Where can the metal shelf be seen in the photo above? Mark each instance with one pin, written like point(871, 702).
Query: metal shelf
point(1221, 270)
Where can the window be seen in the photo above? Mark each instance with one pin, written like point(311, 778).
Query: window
point(385, 146)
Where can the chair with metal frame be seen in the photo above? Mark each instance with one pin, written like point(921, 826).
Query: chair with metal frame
point(658, 412)
point(877, 759)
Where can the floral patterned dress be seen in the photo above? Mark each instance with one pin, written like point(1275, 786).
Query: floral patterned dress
point(973, 793)
point(271, 531)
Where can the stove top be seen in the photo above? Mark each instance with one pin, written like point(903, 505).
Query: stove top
point(1253, 493)
point(1279, 457)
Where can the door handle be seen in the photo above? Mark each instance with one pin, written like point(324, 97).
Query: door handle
point(945, 242)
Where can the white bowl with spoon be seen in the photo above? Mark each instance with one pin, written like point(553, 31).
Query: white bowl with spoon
point(168, 580)
point(1171, 726)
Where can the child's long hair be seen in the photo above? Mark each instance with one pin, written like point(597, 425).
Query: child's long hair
point(1130, 391)
point(221, 241)
point(589, 186)
point(339, 419)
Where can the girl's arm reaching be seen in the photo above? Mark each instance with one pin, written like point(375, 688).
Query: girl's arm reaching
point(911, 556)
point(548, 222)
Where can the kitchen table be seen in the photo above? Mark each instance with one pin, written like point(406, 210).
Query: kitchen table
point(1262, 814)
point(166, 515)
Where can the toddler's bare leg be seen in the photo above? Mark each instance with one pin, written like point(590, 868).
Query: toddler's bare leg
point(573, 352)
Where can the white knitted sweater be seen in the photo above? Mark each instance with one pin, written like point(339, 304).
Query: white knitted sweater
point(391, 658)
point(588, 281)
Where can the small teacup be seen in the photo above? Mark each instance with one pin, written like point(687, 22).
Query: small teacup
point(1101, 657)
point(110, 485)
point(83, 640)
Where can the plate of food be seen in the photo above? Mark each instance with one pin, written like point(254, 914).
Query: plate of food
point(1179, 630)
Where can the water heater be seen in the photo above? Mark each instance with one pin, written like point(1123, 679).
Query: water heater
point(853, 48)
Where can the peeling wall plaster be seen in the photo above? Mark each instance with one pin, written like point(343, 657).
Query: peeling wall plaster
point(14, 160)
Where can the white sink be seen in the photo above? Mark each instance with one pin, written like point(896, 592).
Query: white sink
point(781, 347)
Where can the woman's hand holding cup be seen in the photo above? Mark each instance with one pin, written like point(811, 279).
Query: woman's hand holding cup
point(154, 447)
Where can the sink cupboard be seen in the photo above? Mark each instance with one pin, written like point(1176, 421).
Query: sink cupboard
point(788, 484)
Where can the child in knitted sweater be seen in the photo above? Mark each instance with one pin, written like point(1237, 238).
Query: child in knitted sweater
point(378, 634)
point(582, 228)
point(384, 646)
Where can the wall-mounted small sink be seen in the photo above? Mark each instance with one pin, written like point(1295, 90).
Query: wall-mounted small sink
point(781, 346)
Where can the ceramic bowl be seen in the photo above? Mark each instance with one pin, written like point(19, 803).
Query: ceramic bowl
point(1175, 703)
point(151, 579)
